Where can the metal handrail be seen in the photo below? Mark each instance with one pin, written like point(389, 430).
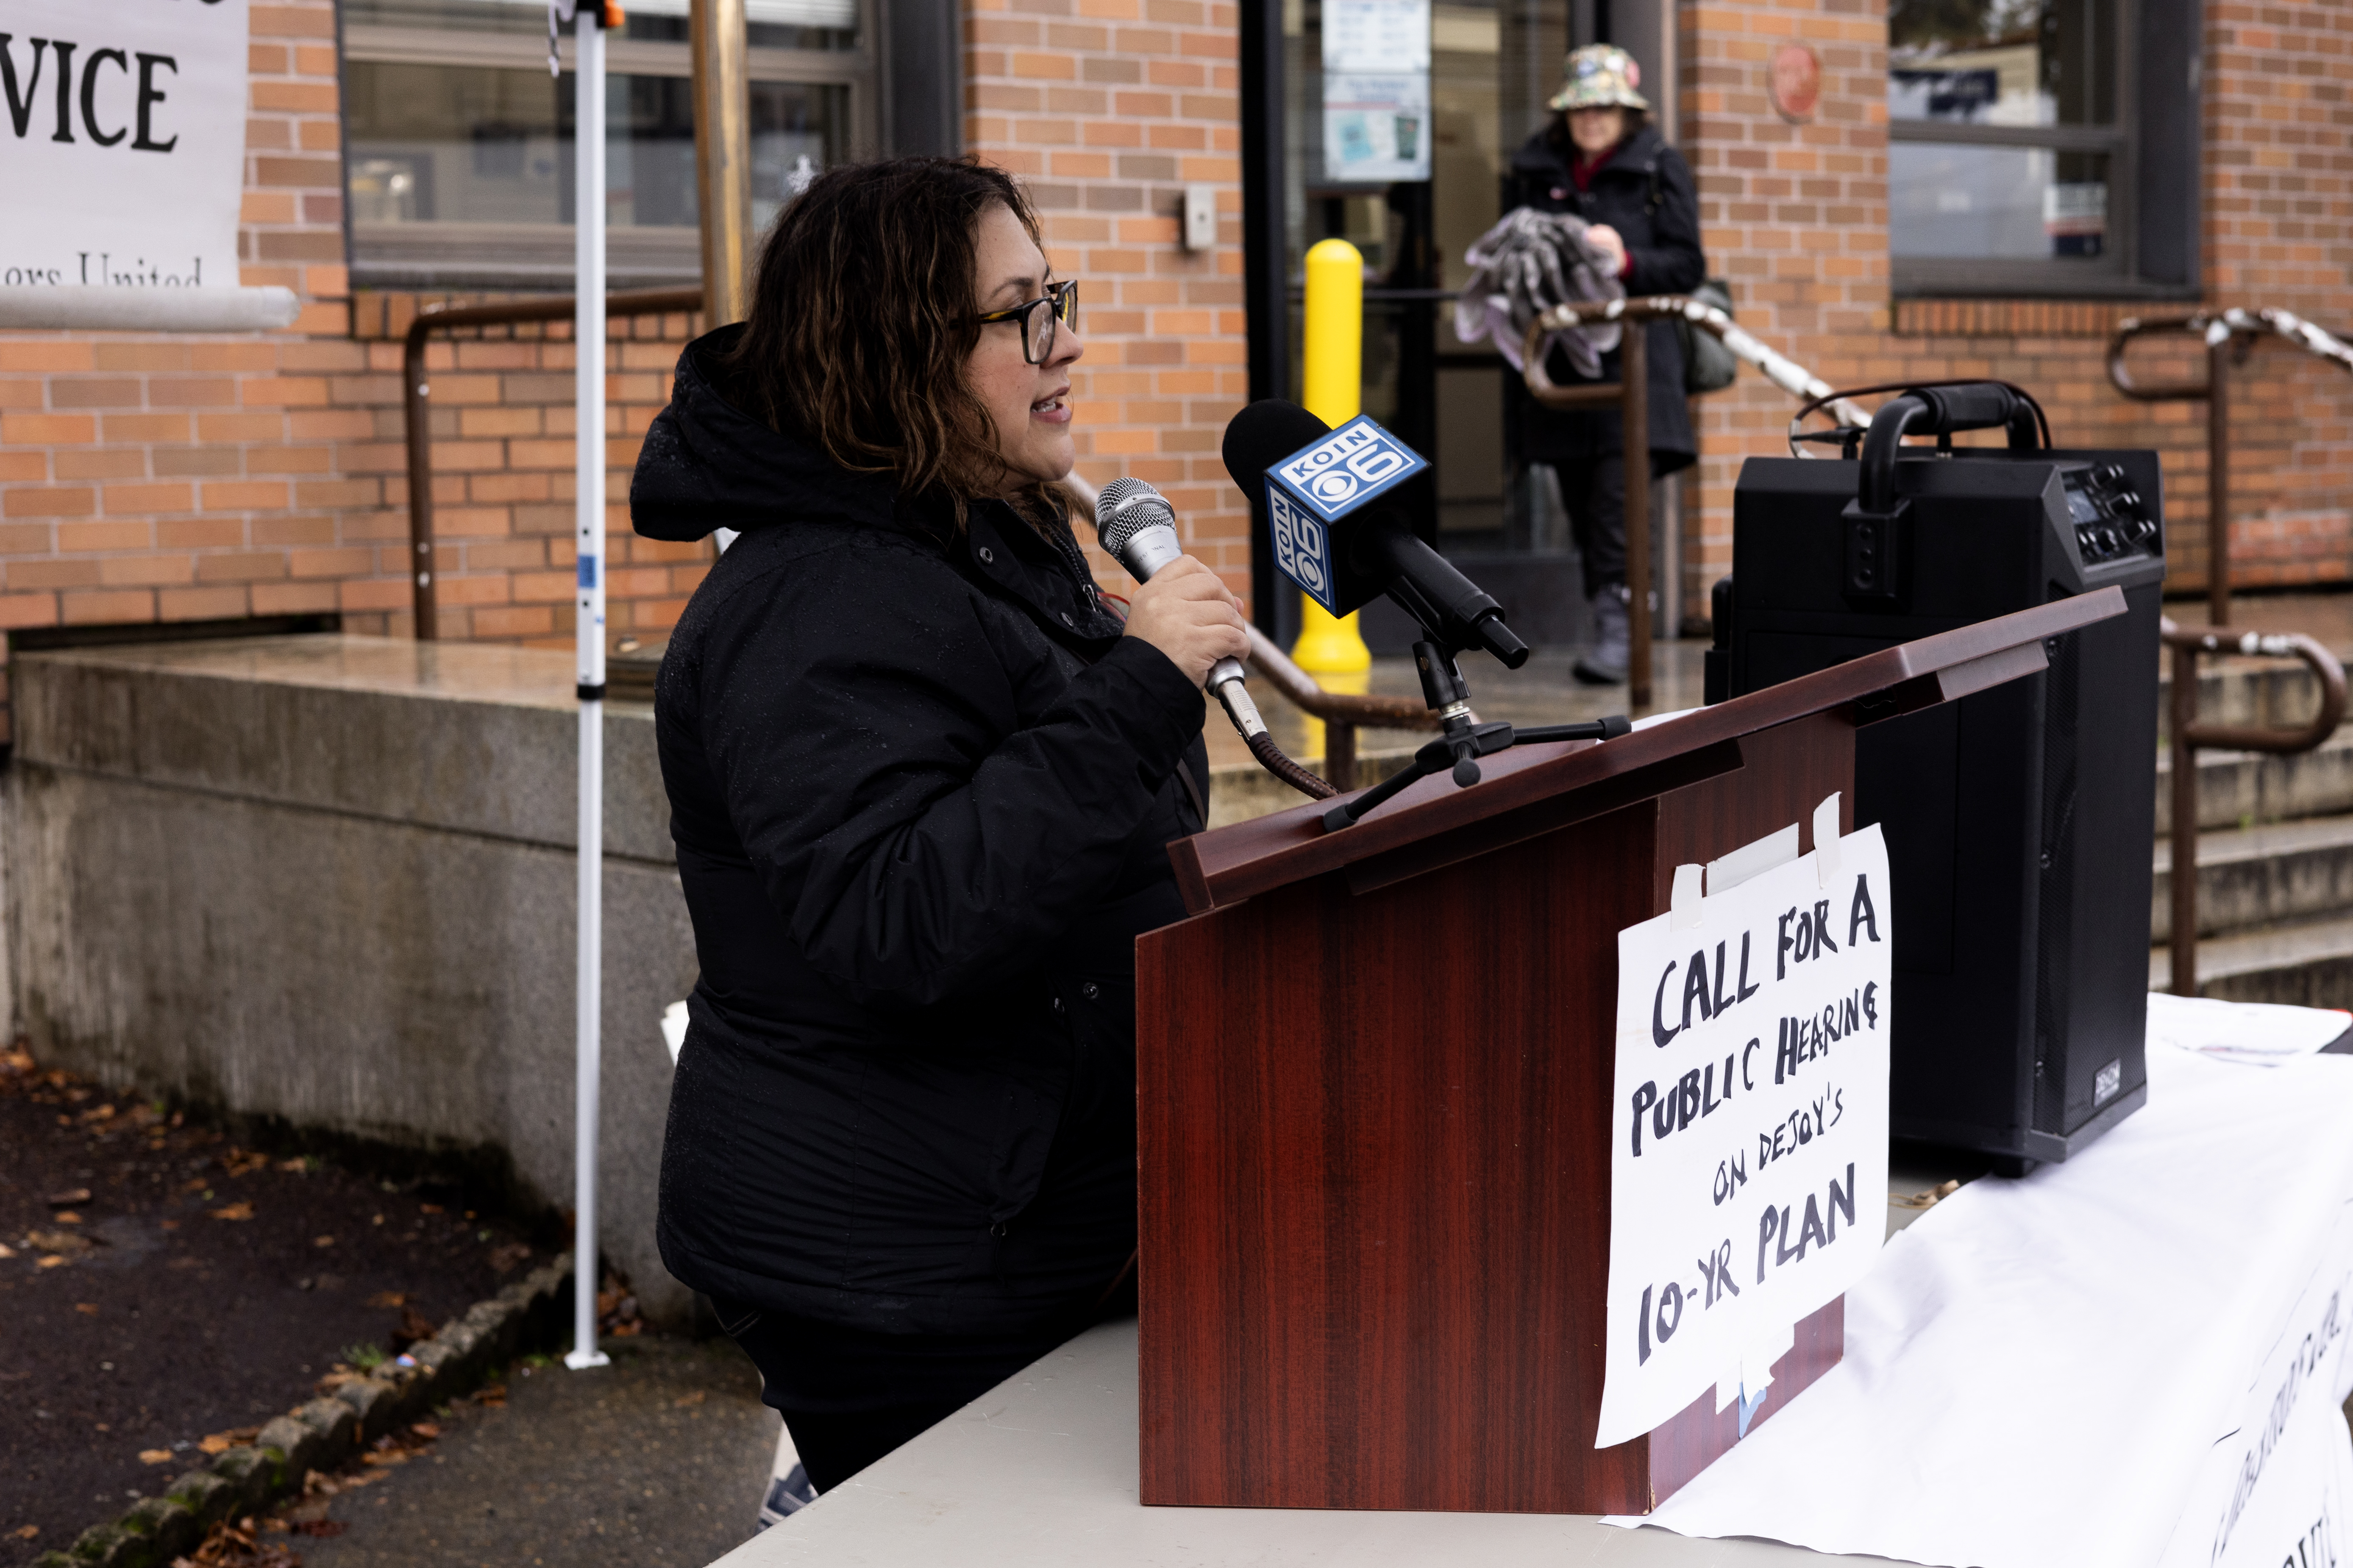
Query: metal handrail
point(2189, 737)
point(1629, 392)
point(2221, 330)
point(416, 409)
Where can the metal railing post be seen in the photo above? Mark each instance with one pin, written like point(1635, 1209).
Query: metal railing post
point(2189, 737)
point(2184, 834)
point(1633, 375)
point(2218, 480)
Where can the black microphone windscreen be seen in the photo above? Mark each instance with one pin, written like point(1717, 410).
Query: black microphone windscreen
point(1262, 436)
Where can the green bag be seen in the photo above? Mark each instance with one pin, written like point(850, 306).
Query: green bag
point(1708, 365)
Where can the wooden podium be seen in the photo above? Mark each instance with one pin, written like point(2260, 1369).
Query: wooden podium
point(1373, 1080)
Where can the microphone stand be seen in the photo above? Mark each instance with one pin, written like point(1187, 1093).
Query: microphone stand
point(1463, 742)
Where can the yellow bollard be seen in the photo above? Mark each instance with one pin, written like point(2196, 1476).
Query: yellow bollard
point(1334, 376)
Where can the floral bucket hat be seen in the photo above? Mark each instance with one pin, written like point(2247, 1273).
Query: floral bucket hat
point(1600, 75)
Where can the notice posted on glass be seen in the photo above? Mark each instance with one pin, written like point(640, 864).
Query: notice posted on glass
point(1748, 1173)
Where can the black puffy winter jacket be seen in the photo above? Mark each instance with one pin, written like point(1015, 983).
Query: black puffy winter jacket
point(1644, 191)
point(922, 790)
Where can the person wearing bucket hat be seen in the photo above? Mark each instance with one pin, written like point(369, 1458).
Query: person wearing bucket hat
point(1601, 160)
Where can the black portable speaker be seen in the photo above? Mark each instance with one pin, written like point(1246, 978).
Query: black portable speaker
point(2019, 821)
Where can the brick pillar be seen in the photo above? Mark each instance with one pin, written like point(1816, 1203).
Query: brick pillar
point(1106, 110)
point(1794, 215)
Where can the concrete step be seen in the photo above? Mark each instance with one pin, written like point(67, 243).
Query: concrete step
point(2239, 689)
point(2241, 789)
point(2254, 878)
point(2308, 965)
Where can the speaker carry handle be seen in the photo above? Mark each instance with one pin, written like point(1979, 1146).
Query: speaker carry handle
point(1877, 519)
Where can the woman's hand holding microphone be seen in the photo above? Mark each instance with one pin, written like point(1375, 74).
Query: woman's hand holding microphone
point(1185, 612)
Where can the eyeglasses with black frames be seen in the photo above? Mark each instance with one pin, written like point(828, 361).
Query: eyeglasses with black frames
point(1038, 317)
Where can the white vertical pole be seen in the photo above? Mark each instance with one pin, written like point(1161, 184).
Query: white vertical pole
point(588, 342)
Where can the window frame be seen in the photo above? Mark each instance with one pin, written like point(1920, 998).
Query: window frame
point(431, 255)
point(2118, 272)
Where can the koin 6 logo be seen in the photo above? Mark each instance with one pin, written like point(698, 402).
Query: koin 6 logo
point(1347, 467)
point(1303, 547)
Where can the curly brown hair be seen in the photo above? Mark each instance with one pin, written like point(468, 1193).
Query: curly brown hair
point(861, 321)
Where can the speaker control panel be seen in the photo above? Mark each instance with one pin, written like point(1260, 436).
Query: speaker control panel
point(2112, 523)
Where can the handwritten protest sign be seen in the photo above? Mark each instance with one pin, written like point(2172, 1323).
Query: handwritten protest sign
point(1748, 1175)
point(124, 142)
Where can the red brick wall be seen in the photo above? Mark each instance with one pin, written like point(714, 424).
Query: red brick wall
point(1795, 216)
point(502, 426)
point(147, 476)
point(1107, 109)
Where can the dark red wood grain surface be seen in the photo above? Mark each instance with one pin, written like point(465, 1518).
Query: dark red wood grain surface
point(1374, 1143)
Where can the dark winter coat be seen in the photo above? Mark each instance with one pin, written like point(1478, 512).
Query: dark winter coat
point(922, 791)
point(1644, 191)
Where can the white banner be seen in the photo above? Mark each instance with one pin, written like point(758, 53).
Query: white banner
point(1748, 1170)
point(2278, 1480)
point(125, 142)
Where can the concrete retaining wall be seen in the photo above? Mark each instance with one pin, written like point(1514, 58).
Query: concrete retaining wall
point(332, 879)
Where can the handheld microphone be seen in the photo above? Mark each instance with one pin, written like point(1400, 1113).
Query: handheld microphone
point(1362, 548)
point(1137, 527)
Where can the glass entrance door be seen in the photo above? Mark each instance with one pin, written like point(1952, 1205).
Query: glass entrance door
point(1491, 65)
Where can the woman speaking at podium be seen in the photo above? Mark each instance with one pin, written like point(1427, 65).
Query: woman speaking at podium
point(920, 782)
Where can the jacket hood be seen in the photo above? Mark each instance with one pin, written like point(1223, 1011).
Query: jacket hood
point(708, 465)
point(1539, 155)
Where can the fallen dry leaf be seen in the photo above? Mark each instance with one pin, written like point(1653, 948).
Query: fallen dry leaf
point(155, 1455)
point(222, 1442)
point(388, 1298)
point(503, 1259)
point(51, 1261)
point(238, 1162)
point(17, 1059)
point(234, 1211)
point(87, 1308)
point(6, 1251)
point(99, 1113)
point(323, 1527)
point(29, 1531)
point(57, 1241)
point(429, 1208)
point(67, 1198)
point(425, 1429)
point(683, 1400)
point(171, 1225)
point(198, 1185)
point(298, 1165)
point(414, 1326)
point(1927, 1198)
point(67, 1216)
point(386, 1457)
point(492, 1396)
point(323, 1241)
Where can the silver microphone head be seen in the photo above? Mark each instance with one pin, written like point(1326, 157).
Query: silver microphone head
point(1123, 509)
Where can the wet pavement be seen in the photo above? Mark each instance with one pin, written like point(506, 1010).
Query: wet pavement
point(659, 1459)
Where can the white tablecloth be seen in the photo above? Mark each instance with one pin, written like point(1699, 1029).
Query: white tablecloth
point(2134, 1358)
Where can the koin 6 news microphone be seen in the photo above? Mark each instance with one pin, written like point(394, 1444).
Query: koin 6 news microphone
point(1137, 527)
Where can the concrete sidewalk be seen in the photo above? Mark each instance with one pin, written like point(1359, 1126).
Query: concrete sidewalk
point(660, 1458)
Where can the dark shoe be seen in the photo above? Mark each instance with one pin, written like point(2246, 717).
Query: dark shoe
point(1603, 662)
